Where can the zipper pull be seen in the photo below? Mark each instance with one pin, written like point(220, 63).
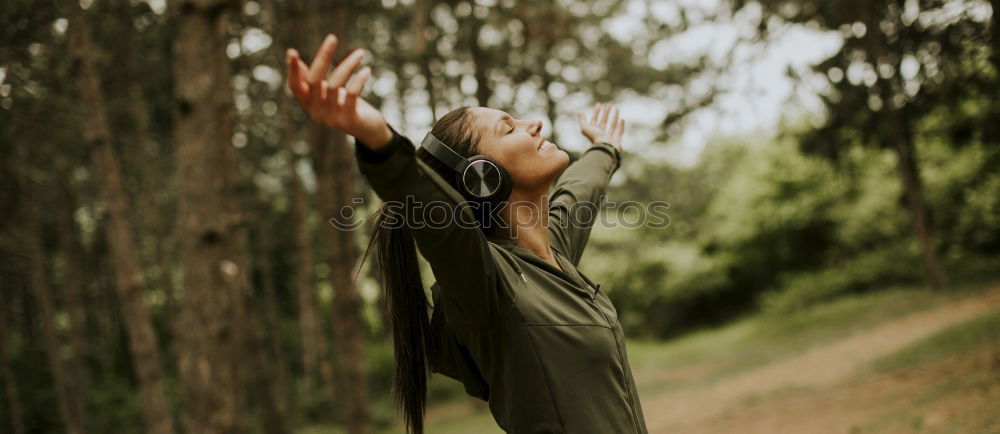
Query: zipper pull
point(522, 277)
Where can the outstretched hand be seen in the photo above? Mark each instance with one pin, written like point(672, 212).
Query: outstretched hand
point(334, 100)
point(603, 125)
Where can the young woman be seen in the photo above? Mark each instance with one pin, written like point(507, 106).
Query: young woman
point(513, 318)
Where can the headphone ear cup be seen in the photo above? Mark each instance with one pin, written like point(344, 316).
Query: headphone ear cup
point(485, 180)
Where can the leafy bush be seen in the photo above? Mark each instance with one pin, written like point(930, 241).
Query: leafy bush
point(777, 230)
point(887, 266)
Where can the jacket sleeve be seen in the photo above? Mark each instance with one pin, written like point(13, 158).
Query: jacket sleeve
point(576, 198)
point(444, 228)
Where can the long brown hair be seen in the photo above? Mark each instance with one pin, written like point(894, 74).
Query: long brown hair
point(399, 273)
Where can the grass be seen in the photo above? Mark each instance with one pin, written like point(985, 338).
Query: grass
point(959, 339)
point(755, 341)
point(959, 368)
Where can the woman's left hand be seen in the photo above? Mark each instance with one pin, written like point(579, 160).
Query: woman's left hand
point(603, 125)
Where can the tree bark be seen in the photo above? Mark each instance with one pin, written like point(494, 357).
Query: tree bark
point(902, 141)
point(9, 386)
point(899, 135)
point(333, 163)
point(38, 285)
point(550, 105)
point(129, 281)
point(268, 373)
point(72, 281)
point(335, 185)
point(995, 35)
point(268, 376)
point(421, 14)
point(212, 238)
point(313, 344)
point(992, 134)
point(480, 62)
point(316, 357)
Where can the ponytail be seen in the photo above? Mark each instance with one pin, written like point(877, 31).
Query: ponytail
point(399, 272)
point(407, 306)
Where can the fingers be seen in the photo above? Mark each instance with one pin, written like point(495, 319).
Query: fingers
point(294, 78)
point(597, 111)
point(619, 129)
point(602, 119)
point(357, 82)
point(614, 119)
point(321, 63)
point(314, 76)
point(346, 67)
point(354, 87)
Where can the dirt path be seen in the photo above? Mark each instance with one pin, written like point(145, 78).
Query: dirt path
point(687, 411)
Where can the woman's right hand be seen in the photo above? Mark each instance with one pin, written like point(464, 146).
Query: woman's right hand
point(335, 101)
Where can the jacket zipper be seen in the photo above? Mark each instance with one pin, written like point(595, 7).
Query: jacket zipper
point(621, 358)
point(618, 345)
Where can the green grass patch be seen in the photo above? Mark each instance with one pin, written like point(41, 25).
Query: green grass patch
point(709, 355)
point(959, 339)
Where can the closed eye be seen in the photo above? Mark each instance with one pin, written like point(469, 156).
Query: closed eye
point(511, 130)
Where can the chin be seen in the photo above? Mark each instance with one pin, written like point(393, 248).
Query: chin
point(564, 157)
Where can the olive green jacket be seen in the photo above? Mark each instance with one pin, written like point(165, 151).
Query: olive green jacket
point(544, 347)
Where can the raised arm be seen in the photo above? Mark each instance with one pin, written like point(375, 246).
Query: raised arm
point(457, 250)
point(577, 195)
point(444, 228)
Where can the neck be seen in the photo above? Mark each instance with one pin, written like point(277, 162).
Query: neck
point(527, 214)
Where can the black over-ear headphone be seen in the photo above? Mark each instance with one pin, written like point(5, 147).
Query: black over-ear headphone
point(479, 177)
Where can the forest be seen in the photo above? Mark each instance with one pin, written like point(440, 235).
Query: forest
point(168, 262)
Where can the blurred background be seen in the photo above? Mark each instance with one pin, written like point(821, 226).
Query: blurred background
point(832, 168)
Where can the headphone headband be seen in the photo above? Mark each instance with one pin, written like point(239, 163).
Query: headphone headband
point(444, 154)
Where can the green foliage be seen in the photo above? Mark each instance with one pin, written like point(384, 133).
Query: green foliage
point(763, 226)
point(31, 363)
point(889, 265)
point(119, 407)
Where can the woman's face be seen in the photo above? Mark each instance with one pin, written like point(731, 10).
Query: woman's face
point(532, 161)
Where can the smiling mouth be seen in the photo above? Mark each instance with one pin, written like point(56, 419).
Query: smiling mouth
point(544, 145)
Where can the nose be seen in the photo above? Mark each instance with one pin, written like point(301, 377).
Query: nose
point(535, 128)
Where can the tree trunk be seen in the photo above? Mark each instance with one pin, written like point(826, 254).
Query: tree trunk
point(212, 238)
point(550, 105)
point(902, 141)
point(333, 163)
point(268, 375)
point(335, 186)
point(899, 135)
point(316, 357)
point(38, 285)
point(72, 281)
point(995, 35)
point(309, 324)
point(992, 130)
point(9, 386)
point(266, 370)
point(129, 281)
point(481, 64)
point(421, 14)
